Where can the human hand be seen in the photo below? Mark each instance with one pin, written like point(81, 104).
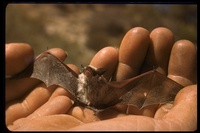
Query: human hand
point(137, 41)
point(138, 52)
point(28, 99)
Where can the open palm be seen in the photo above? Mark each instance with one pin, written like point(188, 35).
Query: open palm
point(31, 106)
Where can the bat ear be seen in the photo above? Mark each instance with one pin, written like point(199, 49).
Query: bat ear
point(93, 70)
point(98, 71)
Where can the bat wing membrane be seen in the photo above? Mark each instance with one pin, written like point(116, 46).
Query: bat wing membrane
point(52, 71)
point(150, 88)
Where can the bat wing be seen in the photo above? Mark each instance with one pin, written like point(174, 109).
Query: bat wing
point(146, 89)
point(52, 71)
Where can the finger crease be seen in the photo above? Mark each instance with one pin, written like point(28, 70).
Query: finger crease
point(25, 106)
point(36, 115)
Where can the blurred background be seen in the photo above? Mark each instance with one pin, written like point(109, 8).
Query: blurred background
point(83, 29)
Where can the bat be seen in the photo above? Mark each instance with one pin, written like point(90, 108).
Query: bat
point(90, 89)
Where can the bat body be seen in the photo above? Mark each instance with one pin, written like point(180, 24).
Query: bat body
point(92, 90)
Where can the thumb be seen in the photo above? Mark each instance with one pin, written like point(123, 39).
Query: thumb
point(184, 112)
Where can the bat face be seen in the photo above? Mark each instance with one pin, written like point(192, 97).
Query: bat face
point(92, 90)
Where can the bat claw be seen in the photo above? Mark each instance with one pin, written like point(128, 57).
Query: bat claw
point(72, 102)
point(88, 104)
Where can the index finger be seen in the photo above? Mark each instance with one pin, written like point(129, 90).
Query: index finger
point(106, 58)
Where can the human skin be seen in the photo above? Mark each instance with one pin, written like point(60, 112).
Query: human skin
point(31, 106)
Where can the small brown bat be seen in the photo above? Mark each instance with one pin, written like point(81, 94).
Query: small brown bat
point(92, 90)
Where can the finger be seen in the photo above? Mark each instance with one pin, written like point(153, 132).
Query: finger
point(49, 108)
point(74, 68)
point(58, 122)
point(163, 110)
point(16, 89)
point(83, 114)
point(182, 64)
point(22, 86)
point(158, 54)
point(185, 108)
point(106, 58)
point(61, 92)
point(59, 53)
point(18, 57)
point(182, 68)
point(162, 40)
point(18, 110)
point(132, 53)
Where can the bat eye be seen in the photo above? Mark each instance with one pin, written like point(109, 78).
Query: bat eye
point(88, 74)
point(100, 71)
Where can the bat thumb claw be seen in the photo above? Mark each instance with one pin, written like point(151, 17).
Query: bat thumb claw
point(72, 102)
